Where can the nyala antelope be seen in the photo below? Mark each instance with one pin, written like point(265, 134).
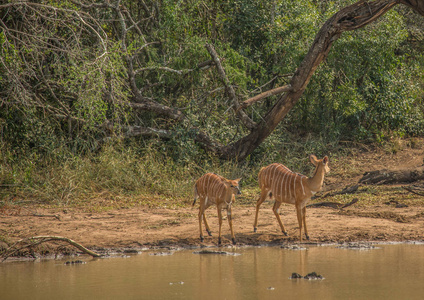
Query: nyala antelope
point(278, 182)
point(213, 189)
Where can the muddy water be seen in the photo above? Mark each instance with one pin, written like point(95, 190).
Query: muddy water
point(389, 272)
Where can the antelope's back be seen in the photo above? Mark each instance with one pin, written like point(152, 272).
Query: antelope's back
point(272, 174)
point(210, 185)
point(283, 184)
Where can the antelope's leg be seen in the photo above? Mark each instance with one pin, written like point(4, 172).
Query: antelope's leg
point(275, 210)
point(206, 225)
point(299, 220)
point(220, 223)
point(201, 214)
point(304, 222)
point(261, 199)
point(230, 222)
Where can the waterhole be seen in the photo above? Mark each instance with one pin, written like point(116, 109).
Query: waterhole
point(350, 272)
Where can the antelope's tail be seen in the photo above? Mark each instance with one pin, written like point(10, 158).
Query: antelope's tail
point(195, 194)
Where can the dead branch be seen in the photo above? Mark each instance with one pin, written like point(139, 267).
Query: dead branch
point(415, 189)
point(232, 94)
point(276, 91)
point(46, 216)
point(333, 204)
point(37, 240)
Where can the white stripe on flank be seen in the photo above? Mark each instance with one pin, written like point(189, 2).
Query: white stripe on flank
point(294, 184)
point(301, 183)
point(289, 183)
point(284, 182)
point(205, 188)
point(266, 171)
point(268, 180)
point(272, 174)
point(219, 193)
point(281, 187)
point(211, 187)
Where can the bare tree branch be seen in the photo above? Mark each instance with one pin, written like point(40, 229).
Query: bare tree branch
point(236, 106)
point(276, 91)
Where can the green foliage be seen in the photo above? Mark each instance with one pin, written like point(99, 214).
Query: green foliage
point(365, 90)
point(66, 81)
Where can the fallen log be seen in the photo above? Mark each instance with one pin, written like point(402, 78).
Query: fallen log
point(386, 176)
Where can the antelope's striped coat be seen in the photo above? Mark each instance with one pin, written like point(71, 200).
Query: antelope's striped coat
point(212, 187)
point(278, 182)
point(281, 183)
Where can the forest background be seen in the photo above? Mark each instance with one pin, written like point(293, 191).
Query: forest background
point(116, 100)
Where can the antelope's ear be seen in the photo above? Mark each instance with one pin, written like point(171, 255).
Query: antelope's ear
point(313, 159)
point(237, 180)
point(325, 160)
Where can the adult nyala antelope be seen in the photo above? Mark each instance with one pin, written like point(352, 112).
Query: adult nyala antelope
point(283, 185)
point(213, 189)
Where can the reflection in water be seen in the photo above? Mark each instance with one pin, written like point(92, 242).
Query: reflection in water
point(389, 272)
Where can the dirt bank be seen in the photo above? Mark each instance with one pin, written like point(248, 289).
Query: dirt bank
point(375, 217)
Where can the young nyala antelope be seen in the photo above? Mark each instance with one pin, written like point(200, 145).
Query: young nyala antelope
point(213, 189)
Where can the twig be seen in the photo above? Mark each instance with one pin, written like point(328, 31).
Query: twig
point(413, 189)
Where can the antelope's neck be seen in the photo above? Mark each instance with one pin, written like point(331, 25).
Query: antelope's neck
point(315, 182)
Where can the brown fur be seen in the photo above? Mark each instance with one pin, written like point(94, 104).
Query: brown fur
point(278, 182)
point(213, 189)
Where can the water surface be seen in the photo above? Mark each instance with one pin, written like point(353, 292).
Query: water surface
point(389, 272)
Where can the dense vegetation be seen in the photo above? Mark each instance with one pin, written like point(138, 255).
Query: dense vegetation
point(101, 98)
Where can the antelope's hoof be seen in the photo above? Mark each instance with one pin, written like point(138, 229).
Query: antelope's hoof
point(201, 238)
point(219, 241)
point(234, 241)
point(307, 237)
point(285, 233)
point(255, 229)
point(209, 232)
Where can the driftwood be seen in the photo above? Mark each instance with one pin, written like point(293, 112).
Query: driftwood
point(386, 176)
point(333, 204)
point(37, 240)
